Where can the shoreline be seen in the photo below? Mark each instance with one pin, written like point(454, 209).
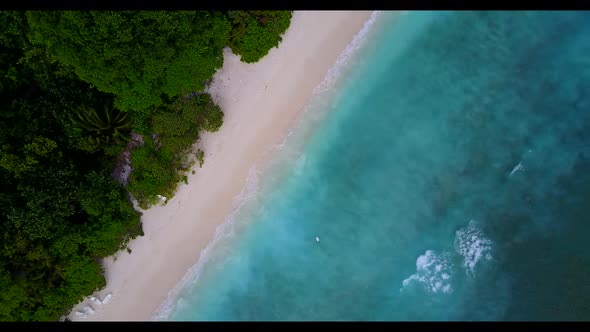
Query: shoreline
point(261, 102)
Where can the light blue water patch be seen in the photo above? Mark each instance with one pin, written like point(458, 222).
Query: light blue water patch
point(448, 181)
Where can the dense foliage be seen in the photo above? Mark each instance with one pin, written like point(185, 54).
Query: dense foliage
point(74, 89)
point(60, 208)
point(256, 32)
point(137, 56)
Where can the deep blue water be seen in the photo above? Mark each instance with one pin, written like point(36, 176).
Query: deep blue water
point(448, 180)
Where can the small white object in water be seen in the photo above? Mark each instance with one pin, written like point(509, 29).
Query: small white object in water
point(92, 298)
point(78, 314)
point(317, 239)
point(88, 310)
point(96, 301)
point(517, 168)
point(162, 198)
point(107, 298)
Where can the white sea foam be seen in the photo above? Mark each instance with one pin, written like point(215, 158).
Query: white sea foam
point(433, 272)
point(471, 243)
point(517, 168)
point(319, 100)
point(248, 194)
point(346, 55)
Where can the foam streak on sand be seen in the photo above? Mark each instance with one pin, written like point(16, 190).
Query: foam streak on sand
point(261, 102)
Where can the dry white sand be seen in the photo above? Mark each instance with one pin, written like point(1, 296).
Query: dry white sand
point(261, 102)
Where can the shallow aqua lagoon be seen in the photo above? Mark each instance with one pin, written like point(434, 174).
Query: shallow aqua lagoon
point(448, 180)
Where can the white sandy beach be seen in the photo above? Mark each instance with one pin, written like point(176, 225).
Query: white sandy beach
point(261, 102)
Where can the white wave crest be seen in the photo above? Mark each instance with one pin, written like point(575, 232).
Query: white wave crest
point(321, 99)
point(471, 243)
point(433, 272)
point(291, 145)
point(344, 57)
point(517, 168)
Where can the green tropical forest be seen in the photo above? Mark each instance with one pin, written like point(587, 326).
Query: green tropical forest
point(99, 109)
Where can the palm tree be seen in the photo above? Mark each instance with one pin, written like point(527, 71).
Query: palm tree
point(260, 16)
point(101, 127)
point(239, 19)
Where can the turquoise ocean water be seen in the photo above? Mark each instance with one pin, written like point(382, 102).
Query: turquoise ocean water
point(445, 171)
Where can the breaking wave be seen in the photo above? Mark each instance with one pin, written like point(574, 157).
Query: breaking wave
point(471, 243)
point(434, 270)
